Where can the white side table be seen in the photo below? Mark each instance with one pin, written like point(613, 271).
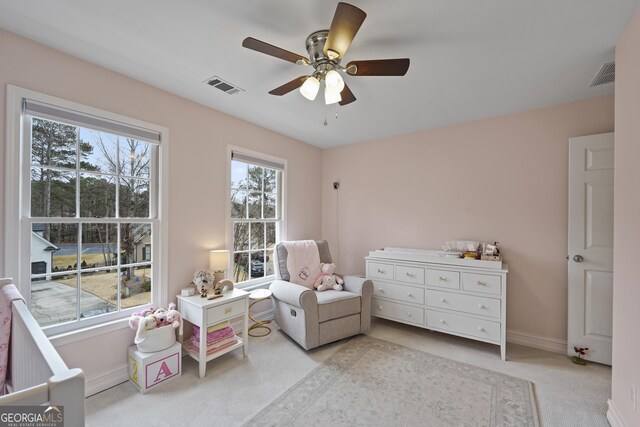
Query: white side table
point(259, 328)
point(203, 313)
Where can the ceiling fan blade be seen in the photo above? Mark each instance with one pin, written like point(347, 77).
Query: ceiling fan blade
point(347, 96)
point(378, 67)
point(346, 23)
point(269, 49)
point(288, 87)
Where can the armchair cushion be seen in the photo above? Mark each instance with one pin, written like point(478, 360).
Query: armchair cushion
point(335, 304)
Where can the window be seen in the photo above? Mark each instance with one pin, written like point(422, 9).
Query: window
point(256, 215)
point(147, 253)
point(90, 213)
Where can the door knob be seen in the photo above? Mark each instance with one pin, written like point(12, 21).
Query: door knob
point(578, 258)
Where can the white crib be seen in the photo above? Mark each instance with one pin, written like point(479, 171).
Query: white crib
point(38, 374)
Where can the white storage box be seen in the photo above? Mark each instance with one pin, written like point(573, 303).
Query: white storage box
point(147, 370)
point(158, 339)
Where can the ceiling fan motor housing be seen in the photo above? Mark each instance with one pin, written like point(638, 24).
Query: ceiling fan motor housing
point(315, 48)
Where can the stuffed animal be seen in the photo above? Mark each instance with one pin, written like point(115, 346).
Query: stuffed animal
point(174, 319)
point(134, 321)
point(161, 318)
point(328, 280)
point(145, 324)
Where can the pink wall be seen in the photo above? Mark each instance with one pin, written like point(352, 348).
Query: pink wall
point(626, 280)
point(502, 179)
point(198, 148)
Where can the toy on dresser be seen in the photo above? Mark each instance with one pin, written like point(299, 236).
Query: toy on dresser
point(155, 328)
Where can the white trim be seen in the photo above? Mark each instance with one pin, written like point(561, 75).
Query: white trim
point(229, 223)
point(16, 163)
point(613, 416)
point(89, 332)
point(553, 345)
point(105, 381)
point(261, 285)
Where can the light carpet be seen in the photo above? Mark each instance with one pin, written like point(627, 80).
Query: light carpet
point(373, 382)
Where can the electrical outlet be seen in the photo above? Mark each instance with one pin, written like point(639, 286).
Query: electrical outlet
point(633, 397)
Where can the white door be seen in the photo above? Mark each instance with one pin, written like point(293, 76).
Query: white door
point(591, 246)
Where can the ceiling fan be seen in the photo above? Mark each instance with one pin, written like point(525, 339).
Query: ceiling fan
point(326, 49)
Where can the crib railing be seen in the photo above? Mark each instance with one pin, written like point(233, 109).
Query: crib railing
point(38, 375)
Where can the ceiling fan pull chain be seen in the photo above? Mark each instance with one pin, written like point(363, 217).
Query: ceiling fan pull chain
point(336, 111)
point(325, 117)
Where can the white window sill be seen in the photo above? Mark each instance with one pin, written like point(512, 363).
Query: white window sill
point(250, 285)
point(89, 332)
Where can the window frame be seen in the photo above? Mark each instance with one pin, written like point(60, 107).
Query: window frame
point(17, 262)
point(281, 228)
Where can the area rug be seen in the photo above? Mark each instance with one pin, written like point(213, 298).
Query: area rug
point(371, 382)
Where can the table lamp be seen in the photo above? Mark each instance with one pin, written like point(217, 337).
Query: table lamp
point(218, 263)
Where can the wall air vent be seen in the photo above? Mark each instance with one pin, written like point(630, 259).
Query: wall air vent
point(607, 74)
point(223, 85)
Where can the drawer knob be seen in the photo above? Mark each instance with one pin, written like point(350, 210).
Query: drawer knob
point(381, 290)
point(442, 321)
point(443, 300)
point(380, 271)
point(228, 310)
point(410, 294)
point(409, 274)
point(379, 307)
point(409, 315)
point(480, 305)
point(480, 328)
point(442, 278)
point(482, 283)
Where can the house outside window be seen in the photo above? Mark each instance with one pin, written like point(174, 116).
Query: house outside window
point(90, 187)
point(257, 215)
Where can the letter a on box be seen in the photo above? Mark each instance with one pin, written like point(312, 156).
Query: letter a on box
point(164, 371)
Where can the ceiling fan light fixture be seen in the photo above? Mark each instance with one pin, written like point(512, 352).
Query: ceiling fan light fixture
point(334, 80)
point(331, 95)
point(332, 54)
point(310, 88)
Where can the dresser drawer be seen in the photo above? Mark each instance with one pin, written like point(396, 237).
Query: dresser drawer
point(464, 303)
point(443, 278)
point(397, 311)
point(380, 270)
point(225, 311)
point(410, 274)
point(484, 329)
point(398, 292)
point(482, 283)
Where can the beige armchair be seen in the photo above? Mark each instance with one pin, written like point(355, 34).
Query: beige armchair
point(315, 318)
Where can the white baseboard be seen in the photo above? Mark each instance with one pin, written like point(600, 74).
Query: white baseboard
point(105, 381)
point(612, 415)
point(553, 345)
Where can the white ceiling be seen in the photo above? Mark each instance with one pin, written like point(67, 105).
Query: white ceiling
point(469, 59)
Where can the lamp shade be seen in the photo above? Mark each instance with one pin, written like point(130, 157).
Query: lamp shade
point(331, 96)
point(309, 88)
point(334, 80)
point(218, 260)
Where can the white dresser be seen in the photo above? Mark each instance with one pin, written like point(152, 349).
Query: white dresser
point(451, 295)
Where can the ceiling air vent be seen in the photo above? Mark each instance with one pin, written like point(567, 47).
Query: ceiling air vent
point(223, 85)
point(607, 74)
